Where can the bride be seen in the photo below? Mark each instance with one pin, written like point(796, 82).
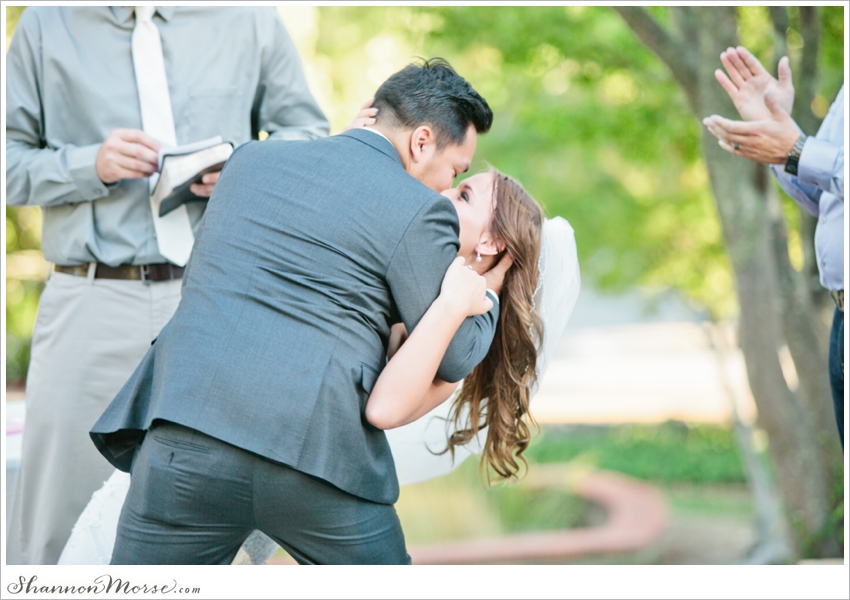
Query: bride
point(433, 426)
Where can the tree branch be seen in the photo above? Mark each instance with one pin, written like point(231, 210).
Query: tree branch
point(779, 17)
point(673, 52)
point(781, 23)
point(805, 85)
point(806, 75)
point(686, 22)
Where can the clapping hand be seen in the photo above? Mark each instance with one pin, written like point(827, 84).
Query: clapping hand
point(768, 133)
point(767, 141)
point(750, 82)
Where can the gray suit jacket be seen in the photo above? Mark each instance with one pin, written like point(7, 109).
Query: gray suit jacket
point(307, 254)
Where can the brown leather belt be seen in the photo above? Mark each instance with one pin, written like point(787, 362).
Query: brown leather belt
point(838, 298)
point(145, 273)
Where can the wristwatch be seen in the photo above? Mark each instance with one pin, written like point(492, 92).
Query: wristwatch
point(794, 156)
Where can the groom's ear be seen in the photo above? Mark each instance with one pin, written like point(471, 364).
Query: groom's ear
point(423, 144)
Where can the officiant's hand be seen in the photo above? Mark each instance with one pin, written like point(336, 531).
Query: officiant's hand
point(205, 189)
point(766, 141)
point(750, 82)
point(126, 154)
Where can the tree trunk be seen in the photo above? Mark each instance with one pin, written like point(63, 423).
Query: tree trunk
point(772, 545)
point(805, 75)
point(772, 307)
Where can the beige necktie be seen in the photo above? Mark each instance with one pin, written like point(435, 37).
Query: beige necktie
point(173, 231)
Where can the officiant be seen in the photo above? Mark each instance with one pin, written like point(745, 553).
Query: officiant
point(92, 94)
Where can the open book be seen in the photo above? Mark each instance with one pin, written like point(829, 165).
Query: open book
point(185, 165)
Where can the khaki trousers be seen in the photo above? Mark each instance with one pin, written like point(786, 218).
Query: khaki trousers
point(89, 336)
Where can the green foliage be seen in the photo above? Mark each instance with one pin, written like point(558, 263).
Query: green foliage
point(834, 525)
point(669, 452)
point(24, 282)
point(591, 122)
point(831, 63)
point(698, 467)
point(457, 506)
point(521, 508)
point(13, 14)
point(586, 117)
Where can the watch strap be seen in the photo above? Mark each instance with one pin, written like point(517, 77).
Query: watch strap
point(793, 160)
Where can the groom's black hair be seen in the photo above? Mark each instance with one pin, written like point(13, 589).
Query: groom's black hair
point(430, 91)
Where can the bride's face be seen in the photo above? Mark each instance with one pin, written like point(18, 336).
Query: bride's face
point(473, 201)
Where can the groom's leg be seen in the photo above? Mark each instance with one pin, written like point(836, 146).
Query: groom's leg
point(189, 501)
point(318, 523)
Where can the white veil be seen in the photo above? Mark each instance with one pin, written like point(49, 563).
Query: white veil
point(414, 445)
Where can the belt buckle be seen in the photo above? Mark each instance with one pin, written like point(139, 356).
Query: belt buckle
point(143, 269)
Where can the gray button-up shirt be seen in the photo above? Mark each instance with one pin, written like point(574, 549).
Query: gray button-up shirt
point(231, 71)
point(819, 189)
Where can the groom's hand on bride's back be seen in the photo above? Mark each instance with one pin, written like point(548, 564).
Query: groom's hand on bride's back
point(495, 277)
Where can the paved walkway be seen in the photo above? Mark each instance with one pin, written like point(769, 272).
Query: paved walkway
point(639, 372)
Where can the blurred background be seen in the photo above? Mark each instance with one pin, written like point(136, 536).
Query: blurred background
point(649, 380)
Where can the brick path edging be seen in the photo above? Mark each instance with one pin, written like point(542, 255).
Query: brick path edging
point(637, 515)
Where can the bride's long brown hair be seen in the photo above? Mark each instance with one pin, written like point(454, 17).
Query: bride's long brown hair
point(496, 393)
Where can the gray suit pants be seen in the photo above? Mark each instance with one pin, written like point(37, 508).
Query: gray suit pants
point(194, 499)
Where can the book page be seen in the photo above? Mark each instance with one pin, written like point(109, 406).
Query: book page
point(178, 169)
point(166, 150)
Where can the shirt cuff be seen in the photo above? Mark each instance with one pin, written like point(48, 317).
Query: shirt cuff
point(817, 163)
point(80, 162)
point(493, 296)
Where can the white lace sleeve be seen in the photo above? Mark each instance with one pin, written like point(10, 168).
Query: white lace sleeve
point(555, 298)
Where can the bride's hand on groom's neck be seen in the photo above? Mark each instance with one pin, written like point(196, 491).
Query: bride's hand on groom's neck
point(365, 117)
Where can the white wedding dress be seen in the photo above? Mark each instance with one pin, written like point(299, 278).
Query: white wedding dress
point(93, 535)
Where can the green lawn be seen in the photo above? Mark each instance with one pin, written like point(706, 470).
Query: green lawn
point(696, 466)
point(668, 452)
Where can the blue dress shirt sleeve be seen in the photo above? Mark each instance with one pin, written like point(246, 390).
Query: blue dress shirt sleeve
point(35, 173)
point(822, 164)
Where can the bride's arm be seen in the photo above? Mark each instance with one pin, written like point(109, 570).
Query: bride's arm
point(408, 387)
point(439, 391)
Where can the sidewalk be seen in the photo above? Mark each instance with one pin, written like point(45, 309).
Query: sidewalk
point(640, 372)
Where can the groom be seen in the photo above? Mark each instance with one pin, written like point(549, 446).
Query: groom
point(247, 412)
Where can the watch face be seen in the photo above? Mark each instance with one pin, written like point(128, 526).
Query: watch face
point(791, 164)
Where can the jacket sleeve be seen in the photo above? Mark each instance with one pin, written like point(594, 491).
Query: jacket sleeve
point(283, 104)
point(37, 174)
point(415, 275)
